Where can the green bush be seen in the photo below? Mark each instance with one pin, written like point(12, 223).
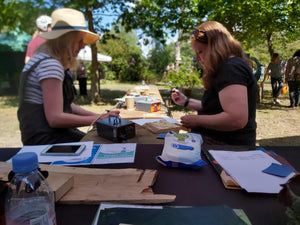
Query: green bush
point(185, 77)
point(110, 75)
point(151, 77)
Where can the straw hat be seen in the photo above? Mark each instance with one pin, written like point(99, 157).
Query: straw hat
point(65, 20)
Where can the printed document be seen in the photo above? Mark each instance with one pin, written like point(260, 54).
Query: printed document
point(246, 167)
point(115, 153)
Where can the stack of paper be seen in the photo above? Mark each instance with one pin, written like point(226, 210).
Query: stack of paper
point(247, 168)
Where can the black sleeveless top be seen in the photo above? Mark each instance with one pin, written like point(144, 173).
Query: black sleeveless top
point(34, 126)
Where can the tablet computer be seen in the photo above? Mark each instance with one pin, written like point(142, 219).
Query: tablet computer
point(63, 150)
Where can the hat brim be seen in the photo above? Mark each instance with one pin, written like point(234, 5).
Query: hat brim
point(89, 37)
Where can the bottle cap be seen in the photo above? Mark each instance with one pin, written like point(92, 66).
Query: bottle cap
point(25, 162)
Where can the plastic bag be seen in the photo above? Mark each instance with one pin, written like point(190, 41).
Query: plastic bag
point(182, 151)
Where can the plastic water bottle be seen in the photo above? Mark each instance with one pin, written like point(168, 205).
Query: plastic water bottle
point(30, 199)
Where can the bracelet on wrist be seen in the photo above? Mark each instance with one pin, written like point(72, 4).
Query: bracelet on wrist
point(187, 101)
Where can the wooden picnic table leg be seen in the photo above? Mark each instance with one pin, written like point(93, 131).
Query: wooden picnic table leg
point(260, 92)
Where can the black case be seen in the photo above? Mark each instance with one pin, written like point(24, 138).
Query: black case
point(115, 129)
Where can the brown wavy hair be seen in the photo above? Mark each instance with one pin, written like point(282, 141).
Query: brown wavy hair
point(221, 45)
point(61, 49)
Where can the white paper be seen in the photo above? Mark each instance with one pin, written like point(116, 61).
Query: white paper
point(141, 122)
point(246, 167)
point(48, 159)
point(115, 153)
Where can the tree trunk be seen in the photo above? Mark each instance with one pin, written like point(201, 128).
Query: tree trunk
point(177, 51)
point(270, 43)
point(95, 84)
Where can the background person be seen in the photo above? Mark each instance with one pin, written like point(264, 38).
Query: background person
point(292, 77)
point(82, 78)
point(43, 24)
point(226, 113)
point(46, 111)
point(276, 69)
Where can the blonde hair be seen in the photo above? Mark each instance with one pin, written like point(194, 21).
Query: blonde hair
point(61, 48)
point(221, 45)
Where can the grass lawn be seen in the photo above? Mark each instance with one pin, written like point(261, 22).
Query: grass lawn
point(276, 125)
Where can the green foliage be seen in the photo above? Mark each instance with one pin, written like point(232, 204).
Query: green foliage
point(127, 61)
point(151, 77)
point(261, 26)
point(22, 14)
point(160, 57)
point(160, 19)
point(251, 22)
point(259, 21)
point(111, 75)
point(187, 54)
point(285, 50)
point(185, 77)
point(118, 50)
point(134, 70)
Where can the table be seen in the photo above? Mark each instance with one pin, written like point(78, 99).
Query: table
point(153, 91)
point(143, 136)
point(192, 187)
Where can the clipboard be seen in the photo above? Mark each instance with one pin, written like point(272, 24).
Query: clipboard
point(227, 180)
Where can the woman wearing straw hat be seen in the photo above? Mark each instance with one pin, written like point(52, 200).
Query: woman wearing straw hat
point(46, 112)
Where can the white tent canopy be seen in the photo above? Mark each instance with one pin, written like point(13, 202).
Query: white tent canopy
point(85, 54)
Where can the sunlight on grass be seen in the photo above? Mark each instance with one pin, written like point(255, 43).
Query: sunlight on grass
point(276, 125)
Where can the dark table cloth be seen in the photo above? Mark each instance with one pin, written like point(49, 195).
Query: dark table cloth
point(201, 187)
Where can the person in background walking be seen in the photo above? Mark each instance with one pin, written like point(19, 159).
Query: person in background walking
point(276, 69)
point(292, 77)
point(43, 24)
point(81, 77)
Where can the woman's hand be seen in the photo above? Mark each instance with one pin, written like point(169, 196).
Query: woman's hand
point(110, 113)
point(189, 121)
point(177, 97)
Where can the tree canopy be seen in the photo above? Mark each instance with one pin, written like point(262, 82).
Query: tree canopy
point(255, 22)
point(250, 21)
point(22, 14)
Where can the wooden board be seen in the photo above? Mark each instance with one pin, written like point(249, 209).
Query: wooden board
point(60, 183)
point(162, 126)
point(133, 187)
point(92, 186)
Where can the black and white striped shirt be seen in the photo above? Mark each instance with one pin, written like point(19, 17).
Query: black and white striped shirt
point(48, 68)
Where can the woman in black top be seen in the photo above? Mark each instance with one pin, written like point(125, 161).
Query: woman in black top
point(226, 113)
